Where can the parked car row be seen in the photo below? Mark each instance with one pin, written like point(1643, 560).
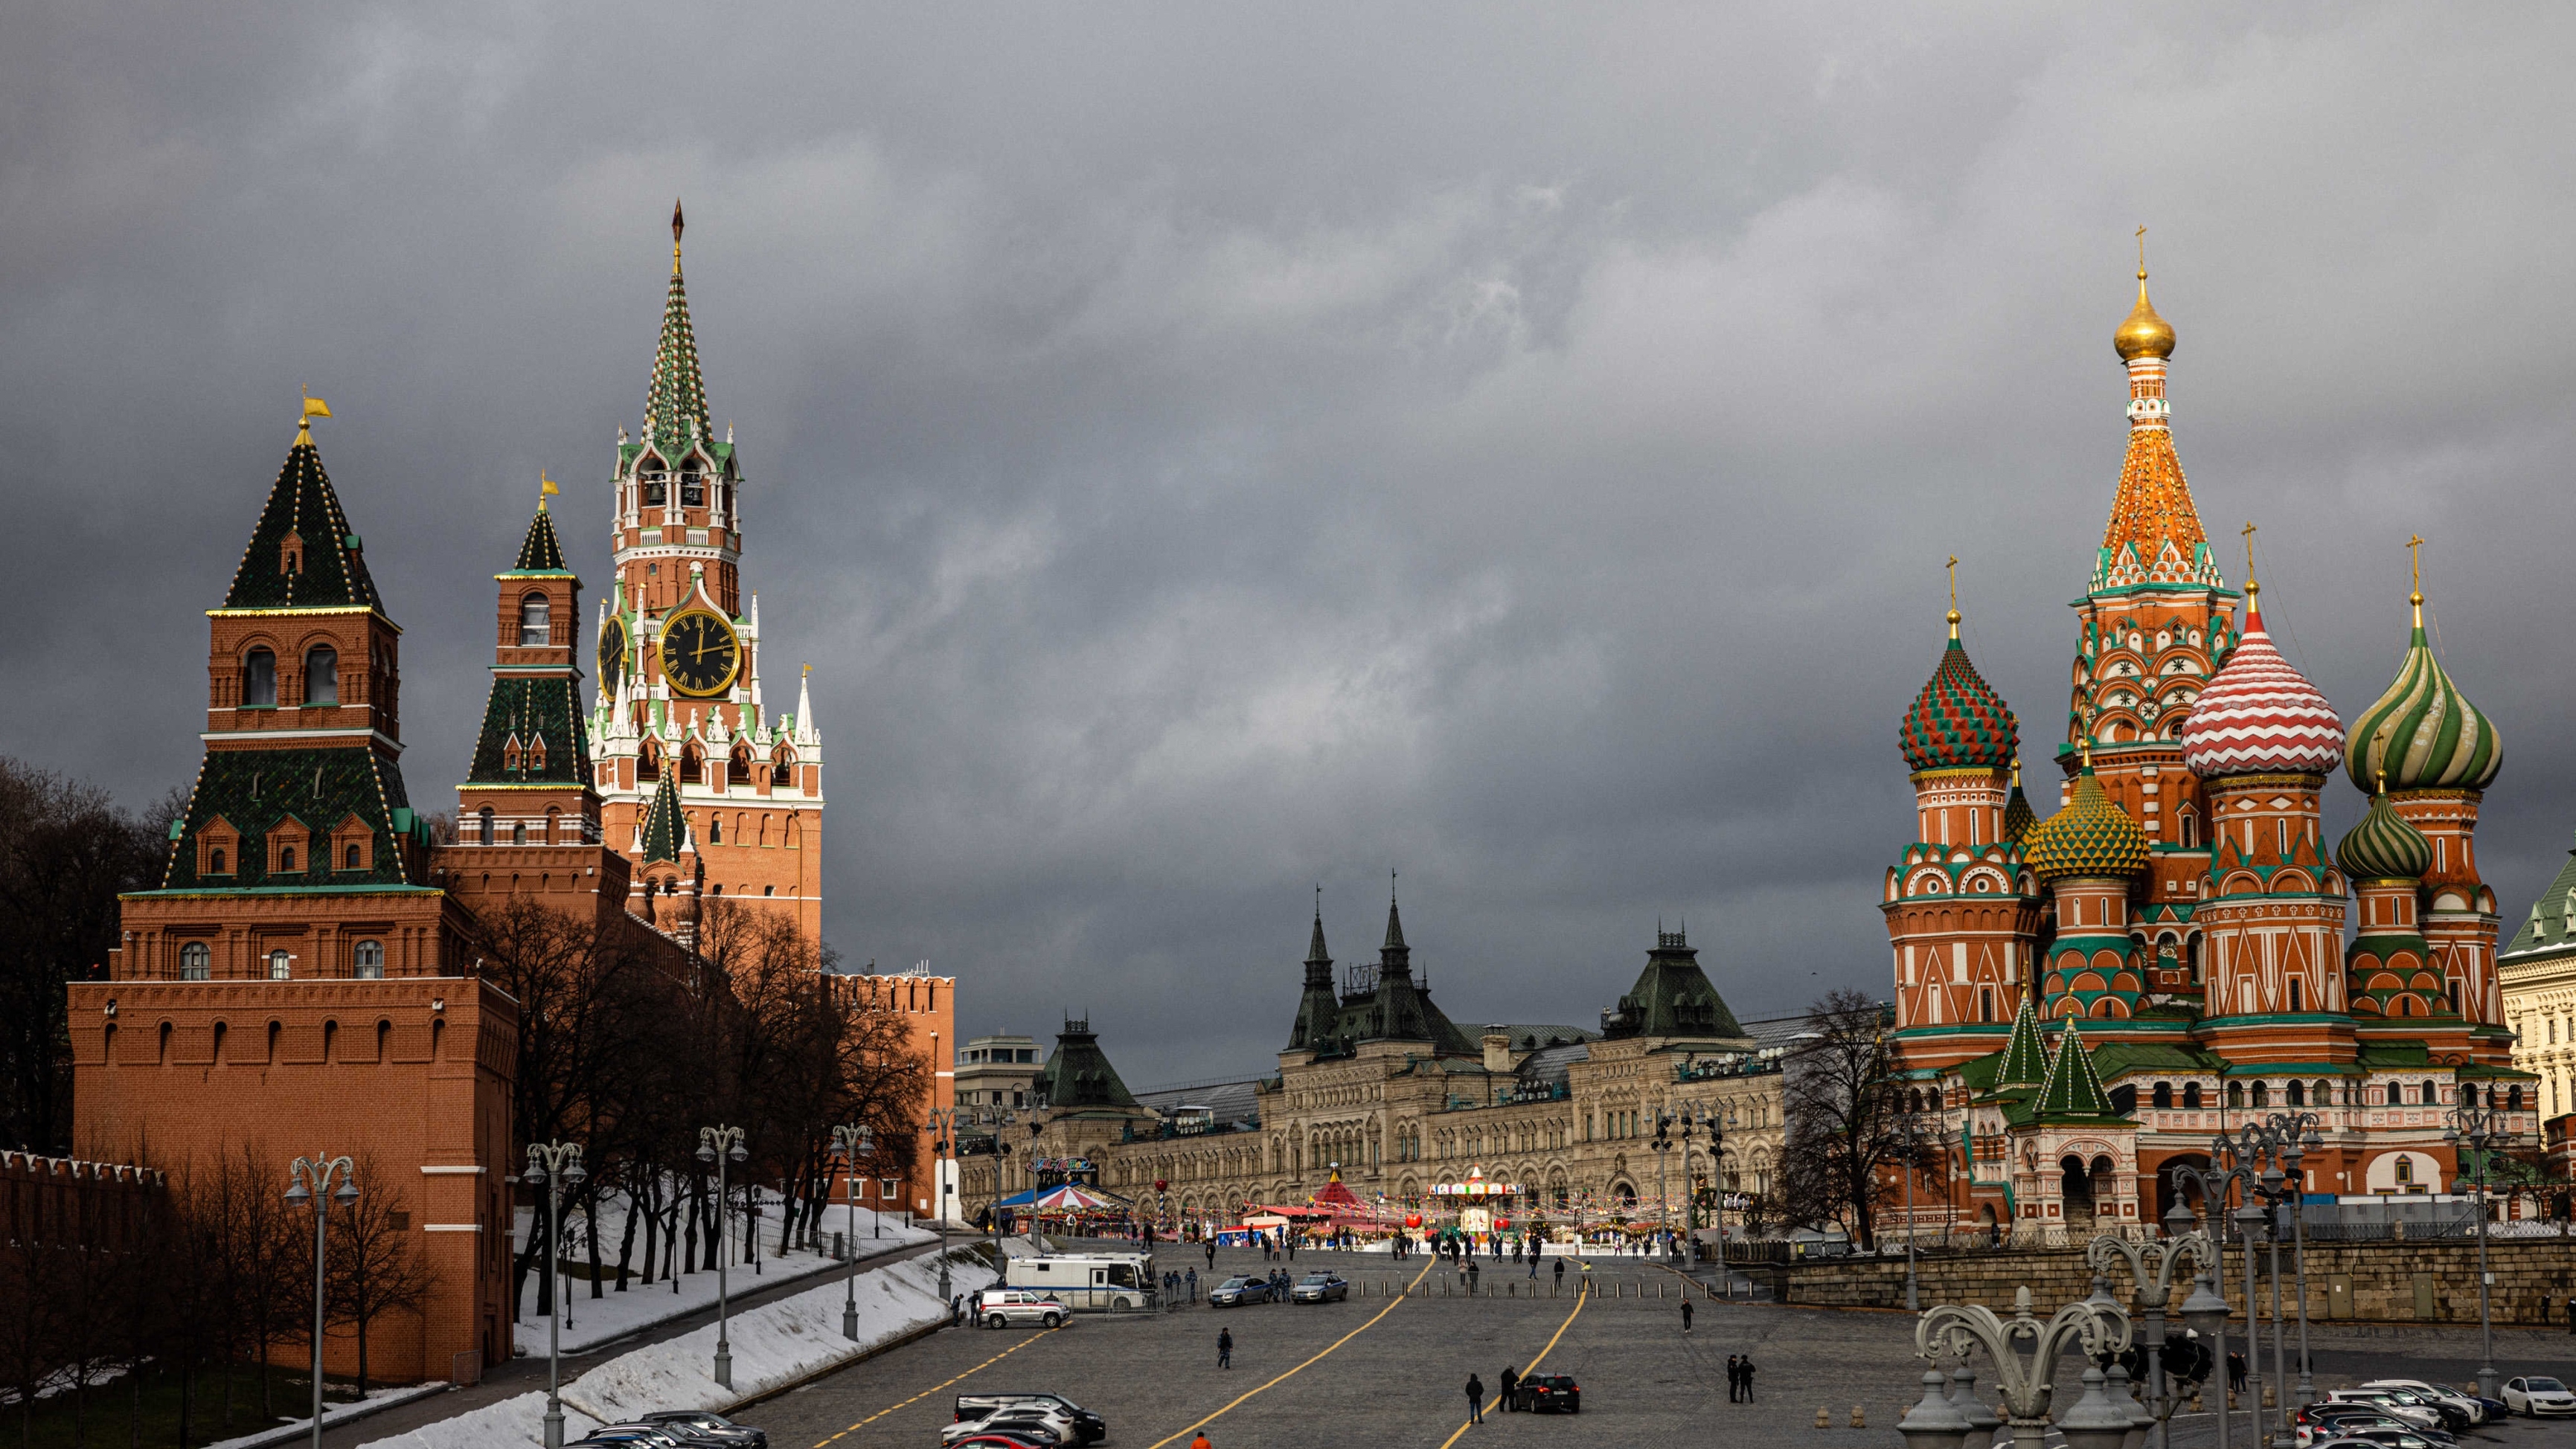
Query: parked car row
point(1245, 1288)
point(676, 1429)
point(1021, 1421)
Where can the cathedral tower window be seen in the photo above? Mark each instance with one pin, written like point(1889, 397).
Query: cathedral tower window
point(519, 832)
point(2298, 1090)
point(351, 861)
point(321, 675)
point(483, 818)
point(648, 763)
point(715, 831)
point(738, 769)
point(2191, 1096)
point(2236, 1094)
point(536, 630)
point(2262, 1095)
point(281, 966)
point(259, 680)
point(196, 961)
point(370, 960)
point(215, 862)
point(692, 764)
point(286, 860)
point(2294, 1006)
point(693, 486)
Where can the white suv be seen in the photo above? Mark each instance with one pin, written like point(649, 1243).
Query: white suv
point(1016, 1307)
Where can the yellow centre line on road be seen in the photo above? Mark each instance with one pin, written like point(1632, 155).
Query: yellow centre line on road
point(935, 1388)
point(1582, 1290)
point(1301, 1368)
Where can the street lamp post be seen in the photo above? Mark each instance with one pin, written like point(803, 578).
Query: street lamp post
point(2483, 1128)
point(849, 1144)
point(2026, 1382)
point(1662, 1144)
point(2151, 1270)
point(2298, 1135)
point(551, 1165)
point(2206, 1312)
point(1914, 1139)
point(721, 1145)
point(313, 1178)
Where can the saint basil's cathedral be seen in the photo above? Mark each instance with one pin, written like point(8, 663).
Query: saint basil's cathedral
point(2082, 1002)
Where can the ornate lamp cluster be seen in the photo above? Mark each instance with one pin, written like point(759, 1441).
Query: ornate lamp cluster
point(1949, 1415)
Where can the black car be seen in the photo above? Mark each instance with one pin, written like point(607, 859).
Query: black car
point(709, 1428)
point(1550, 1394)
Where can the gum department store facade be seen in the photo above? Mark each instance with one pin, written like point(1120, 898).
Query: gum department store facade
point(1377, 1083)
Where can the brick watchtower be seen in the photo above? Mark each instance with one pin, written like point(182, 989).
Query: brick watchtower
point(297, 982)
point(679, 655)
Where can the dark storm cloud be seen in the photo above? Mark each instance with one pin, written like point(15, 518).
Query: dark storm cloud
point(1206, 452)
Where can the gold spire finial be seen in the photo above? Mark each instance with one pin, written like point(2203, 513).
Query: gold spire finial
point(1954, 596)
point(2252, 588)
point(2144, 334)
point(2415, 568)
point(2380, 775)
point(545, 489)
point(314, 407)
point(677, 222)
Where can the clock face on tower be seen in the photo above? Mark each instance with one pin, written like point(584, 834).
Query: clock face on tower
point(700, 653)
point(612, 652)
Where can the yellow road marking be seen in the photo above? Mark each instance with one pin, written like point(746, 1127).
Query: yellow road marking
point(935, 1388)
point(1582, 1288)
point(1301, 1368)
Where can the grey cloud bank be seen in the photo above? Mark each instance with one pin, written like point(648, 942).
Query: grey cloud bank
point(1208, 451)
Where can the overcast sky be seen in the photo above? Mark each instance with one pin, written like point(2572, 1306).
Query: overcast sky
point(1207, 452)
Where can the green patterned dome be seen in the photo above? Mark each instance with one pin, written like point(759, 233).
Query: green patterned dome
point(2423, 734)
point(2091, 836)
point(2019, 818)
point(2384, 847)
point(1958, 721)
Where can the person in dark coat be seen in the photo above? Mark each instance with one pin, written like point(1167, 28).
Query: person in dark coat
point(1225, 1348)
point(1472, 1272)
point(1475, 1399)
point(1560, 1272)
point(1686, 1315)
point(2235, 1373)
point(1734, 1378)
point(1744, 1371)
point(1503, 1398)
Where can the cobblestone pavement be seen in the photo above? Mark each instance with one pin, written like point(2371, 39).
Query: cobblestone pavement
point(1389, 1371)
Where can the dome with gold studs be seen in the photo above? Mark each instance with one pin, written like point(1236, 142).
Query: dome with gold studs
point(2145, 334)
point(2090, 837)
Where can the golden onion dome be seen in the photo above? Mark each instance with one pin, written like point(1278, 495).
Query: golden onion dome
point(2145, 334)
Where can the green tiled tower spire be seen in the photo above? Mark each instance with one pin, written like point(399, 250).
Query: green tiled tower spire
point(2074, 1087)
point(2026, 1056)
point(302, 554)
point(1318, 1009)
point(675, 406)
point(666, 830)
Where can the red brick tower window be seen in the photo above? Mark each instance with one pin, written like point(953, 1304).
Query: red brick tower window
point(368, 961)
point(196, 961)
point(259, 680)
point(536, 629)
point(321, 675)
point(281, 966)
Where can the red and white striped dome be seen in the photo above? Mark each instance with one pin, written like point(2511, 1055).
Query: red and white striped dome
point(2260, 715)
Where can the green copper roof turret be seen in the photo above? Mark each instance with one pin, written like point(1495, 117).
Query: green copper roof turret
point(2384, 846)
point(666, 830)
point(542, 552)
point(2074, 1087)
point(2026, 1056)
point(302, 553)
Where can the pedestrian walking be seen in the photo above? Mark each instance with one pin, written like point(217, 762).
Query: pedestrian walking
point(1225, 1348)
point(1734, 1378)
point(1211, 1254)
point(1744, 1371)
point(1201, 1442)
point(2235, 1372)
point(1194, 1284)
point(2571, 1313)
point(1472, 1271)
point(1560, 1272)
point(1533, 1257)
point(1475, 1399)
point(1686, 1315)
point(1503, 1397)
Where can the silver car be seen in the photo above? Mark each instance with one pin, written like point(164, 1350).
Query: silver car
point(1020, 1308)
point(1319, 1288)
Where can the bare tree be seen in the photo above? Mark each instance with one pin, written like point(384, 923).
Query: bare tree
point(376, 1265)
point(1845, 1113)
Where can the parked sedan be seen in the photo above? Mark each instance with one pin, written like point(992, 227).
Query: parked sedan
point(2320, 1422)
point(1550, 1394)
point(2539, 1396)
point(714, 1428)
point(1319, 1288)
point(1238, 1290)
point(2470, 1406)
point(1019, 1307)
point(2404, 1407)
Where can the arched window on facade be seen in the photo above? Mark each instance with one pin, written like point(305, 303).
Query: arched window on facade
point(518, 832)
point(2191, 1096)
point(2432, 1096)
point(2262, 1095)
point(370, 960)
point(536, 626)
point(2164, 1095)
point(2298, 1094)
point(281, 966)
point(2236, 1094)
point(286, 860)
point(196, 961)
point(738, 768)
point(215, 861)
point(259, 680)
point(321, 675)
point(483, 819)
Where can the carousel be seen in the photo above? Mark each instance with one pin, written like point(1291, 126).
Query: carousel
point(1482, 1209)
point(1065, 1202)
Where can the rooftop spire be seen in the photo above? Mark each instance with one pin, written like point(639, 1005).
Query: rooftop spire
point(302, 552)
point(1954, 597)
point(666, 830)
point(1394, 951)
point(2154, 535)
point(675, 406)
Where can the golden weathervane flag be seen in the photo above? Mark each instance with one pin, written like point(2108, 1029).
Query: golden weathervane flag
point(545, 488)
point(315, 407)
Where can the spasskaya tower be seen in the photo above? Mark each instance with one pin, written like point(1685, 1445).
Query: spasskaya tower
point(679, 656)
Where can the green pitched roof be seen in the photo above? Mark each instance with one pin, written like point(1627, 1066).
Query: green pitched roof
point(2025, 1059)
point(1078, 1074)
point(666, 830)
point(309, 793)
point(2074, 1088)
point(1673, 996)
point(544, 716)
point(329, 572)
point(675, 406)
point(2553, 916)
point(1318, 1009)
point(542, 552)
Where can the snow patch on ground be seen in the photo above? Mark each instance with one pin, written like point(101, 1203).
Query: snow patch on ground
point(773, 1346)
point(331, 1415)
point(614, 1315)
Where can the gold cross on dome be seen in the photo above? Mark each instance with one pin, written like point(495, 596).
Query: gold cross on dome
point(2142, 253)
point(2415, 560)
point(1954, 580)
